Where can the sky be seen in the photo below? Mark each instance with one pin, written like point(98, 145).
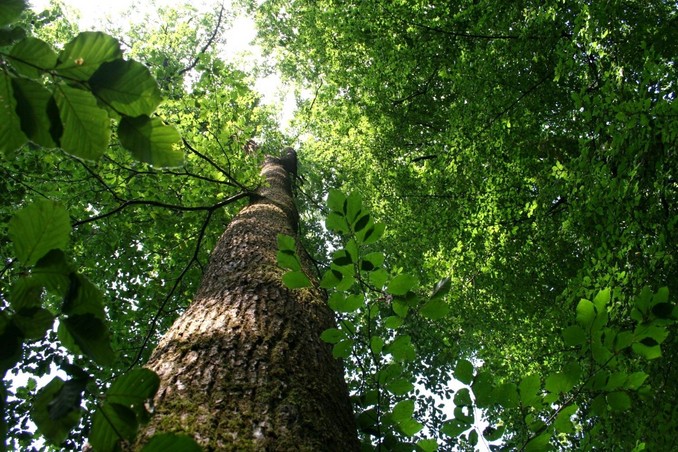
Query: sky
point(95, 14)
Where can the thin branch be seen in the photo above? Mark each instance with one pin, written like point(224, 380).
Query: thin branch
point(207, 45)
point(233, 181)
point(161, 308)
point(142, 202)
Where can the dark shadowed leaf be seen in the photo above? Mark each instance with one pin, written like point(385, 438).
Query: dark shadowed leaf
point(10, 10)
point(11, 135)
point(127, 86)
point(86, 128)
point(151, 141)
point(464, 371)
point(55, 429)
point(33, 109)
point(112, 423)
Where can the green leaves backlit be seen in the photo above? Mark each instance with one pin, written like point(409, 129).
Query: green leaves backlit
point(92, 84)
point(37, 229)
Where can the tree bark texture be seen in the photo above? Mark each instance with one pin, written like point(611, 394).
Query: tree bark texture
point(243, 368)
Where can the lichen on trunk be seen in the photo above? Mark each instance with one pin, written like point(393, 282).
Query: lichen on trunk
point(243, 368)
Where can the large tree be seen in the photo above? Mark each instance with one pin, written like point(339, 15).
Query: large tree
point(243, 368)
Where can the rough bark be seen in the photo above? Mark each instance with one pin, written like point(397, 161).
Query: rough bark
point(243, 368)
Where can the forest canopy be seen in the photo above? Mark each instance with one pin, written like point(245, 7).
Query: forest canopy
point(489, 191)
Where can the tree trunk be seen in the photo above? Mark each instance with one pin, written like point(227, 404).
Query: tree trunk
point(243, 368)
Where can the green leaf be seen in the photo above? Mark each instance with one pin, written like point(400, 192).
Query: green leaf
point(618, 401)
point(400, 386)
point(643, 300)
point(493, 433)
point(34, 322)
point(54, 428)
point(341, 258)
point(151, 141)
point(67, 399)
point(401, 349)
point(112, 423)
point(393, 322)
point(83, 55)
point(336, 223)
point(483, 390)
point(127, 86)
point(36, 112)
point(372, 261)
point(10, 10)
point(342, 349)
point(539, 443)
point(83, 297)
point(473, 437)
point(37, 229)
point(332, 335)
point(410, 426)
point(11, 35)
point(506, 395)
point(372, 234)
point(559, 383)
point(286, 243)
point(331, 278)
point(586, 313)
point(647, 351)
point(463, 398)
point(376, 344)
point(86, 127)
point(390, 372)
point(296, 280)
point(427, 445)
point(464, 371)
point(454, 428)
point(133, 388)
point(336, 200)
point(362, 223)
point(288, 260)
point(401, 284)
point(636, 380)
point(11, 135)
point(574, 335)
point(171, 442)
point(435, 309)
point(354, 204)
point(403, 410)
point(31, 56)
point(10, 343)
point(529, 388)
point(400, 308)
point(90, 334)
point(662, 296)
point(663, 310)
point(623, 340)
point(339, 303)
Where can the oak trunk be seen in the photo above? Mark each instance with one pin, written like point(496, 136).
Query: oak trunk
point(243, 368)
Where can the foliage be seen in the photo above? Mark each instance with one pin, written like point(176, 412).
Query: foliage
point(596, 377)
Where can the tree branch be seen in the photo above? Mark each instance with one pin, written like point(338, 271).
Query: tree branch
point(207, 45)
